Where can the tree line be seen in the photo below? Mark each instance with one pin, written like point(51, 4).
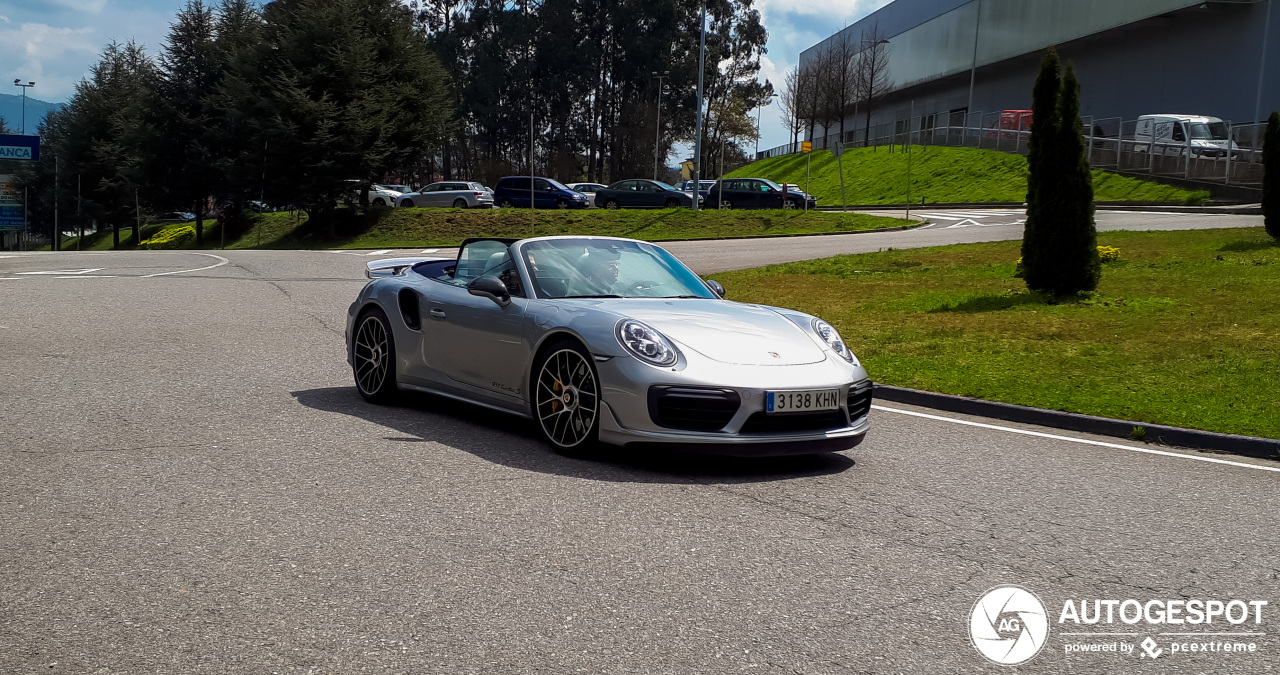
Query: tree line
point(845, 78)
point(295, 102)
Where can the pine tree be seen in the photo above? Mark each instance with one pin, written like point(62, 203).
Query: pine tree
point(1076, 266)
point(1042, 163)
point(1271, 176)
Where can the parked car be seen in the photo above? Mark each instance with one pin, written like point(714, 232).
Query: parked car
point(1011, 124)
point(378, 195)
point(606, 339)
point(1168, 134)
point(175, 217)
point(402, 189)
point(547, 193)
point(756, 193)
point(643, 194)
point(588, 189)
point(458, 194)
point(704, 186)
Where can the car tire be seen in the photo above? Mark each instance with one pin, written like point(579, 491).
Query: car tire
point(565, 387)
point(459, 203)
point(612, 204)
point(373, 357)
point(726, 204)
point(379, 202)
point(789, 205)
point(506, 204)
point(406, 203)
point(673, 203)
point(562, 203)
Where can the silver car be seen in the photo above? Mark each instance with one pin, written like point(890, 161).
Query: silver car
point(459, 195)
point(606, 339)
point(588, 189)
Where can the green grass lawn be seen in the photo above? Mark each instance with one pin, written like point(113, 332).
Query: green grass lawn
point(1184, 329)
point(406, 228)
point(939, 174)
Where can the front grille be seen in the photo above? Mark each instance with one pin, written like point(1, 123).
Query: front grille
point(859, 400)
point(823, 420)
point(692, 408)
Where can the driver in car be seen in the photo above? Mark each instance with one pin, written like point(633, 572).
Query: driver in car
point(599, 267)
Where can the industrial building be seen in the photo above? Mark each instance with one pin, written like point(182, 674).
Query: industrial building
point(950, 60)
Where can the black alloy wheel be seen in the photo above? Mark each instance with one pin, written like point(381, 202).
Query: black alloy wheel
point(567, 398)
point(373, 357)
point(379, 202)
point(612, 204)
point(673, 203)
point(406, 203)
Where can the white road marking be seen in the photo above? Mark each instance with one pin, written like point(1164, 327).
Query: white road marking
point(12, 278)
point(430, 250)
point(1078, 440)
point(382, 252)
point(934, 215)
point(197, 269)
point(90, 276)
point(964, 223)
point(85, 271)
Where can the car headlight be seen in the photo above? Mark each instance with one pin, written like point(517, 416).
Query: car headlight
point(646, 344)
point(832, 338)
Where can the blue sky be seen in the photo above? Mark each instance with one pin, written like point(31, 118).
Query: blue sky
point(54, 42)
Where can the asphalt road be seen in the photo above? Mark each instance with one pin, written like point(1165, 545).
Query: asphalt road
point(191, 484)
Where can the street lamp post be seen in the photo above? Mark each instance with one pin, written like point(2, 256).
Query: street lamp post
point(973, 67)
point(759, 109)
point(25, 87)
point(697, 126)
point(657, 134)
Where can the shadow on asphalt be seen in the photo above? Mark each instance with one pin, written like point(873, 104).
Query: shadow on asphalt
point(515, 442)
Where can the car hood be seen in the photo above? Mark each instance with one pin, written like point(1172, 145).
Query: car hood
point(725, 331)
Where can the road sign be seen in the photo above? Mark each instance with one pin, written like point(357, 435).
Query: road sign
point(806, 146)
point(13, 146)
point(11, 216)
point(837, 148)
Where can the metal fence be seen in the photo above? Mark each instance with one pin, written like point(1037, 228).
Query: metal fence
point(18, 240)
point(1110, 143)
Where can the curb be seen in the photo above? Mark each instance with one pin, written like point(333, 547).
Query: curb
point(1248, 446)
point(900, 228)
point(1153, 207)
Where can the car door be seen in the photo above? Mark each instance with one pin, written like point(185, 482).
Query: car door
point(623, 191)
point(471, 339)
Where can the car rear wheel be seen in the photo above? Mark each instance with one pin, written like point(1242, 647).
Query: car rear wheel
point(567, 398)
point(673, 203)
point(406, 203)
point(611, 204)
point(506, 204)
point(373, 357)
point(459, 203)
point(726, 204)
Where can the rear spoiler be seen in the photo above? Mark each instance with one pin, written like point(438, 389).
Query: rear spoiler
point(393, 266)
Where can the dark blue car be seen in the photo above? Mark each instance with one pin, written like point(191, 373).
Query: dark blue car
point(547, 193)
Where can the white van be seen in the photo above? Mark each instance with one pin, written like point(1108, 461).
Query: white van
point(1167, 135)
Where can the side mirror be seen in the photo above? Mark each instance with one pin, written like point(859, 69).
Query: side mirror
point(716, 287)
point(492, 288)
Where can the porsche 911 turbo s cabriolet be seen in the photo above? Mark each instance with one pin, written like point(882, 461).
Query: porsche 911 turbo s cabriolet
point(601, 339)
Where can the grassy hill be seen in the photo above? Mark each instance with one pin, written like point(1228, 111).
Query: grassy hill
point(939, 174)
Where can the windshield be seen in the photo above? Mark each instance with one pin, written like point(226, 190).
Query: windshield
point(662, 185)
point(1216, 131)
point(557, 184)
point(587, 268)
point(771, 184)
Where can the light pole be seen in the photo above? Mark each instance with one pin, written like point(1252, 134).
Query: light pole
point(25, 87)
point(973, 68)
point(657, 134)
point(759, 108)
point(697, 126)
point(1262, 62)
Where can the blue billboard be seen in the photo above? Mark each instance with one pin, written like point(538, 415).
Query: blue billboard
point(13, 146)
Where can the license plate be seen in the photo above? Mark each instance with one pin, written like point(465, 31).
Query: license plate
point(801, 401)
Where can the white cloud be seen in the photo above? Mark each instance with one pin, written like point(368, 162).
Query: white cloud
point(54, 58)
point(5, 19)
point(87, 6)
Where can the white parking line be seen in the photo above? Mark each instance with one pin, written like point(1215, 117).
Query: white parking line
point(382, 252)
point(90, 276)
point(1078, 440)
point(197, 269)
point(84, 271)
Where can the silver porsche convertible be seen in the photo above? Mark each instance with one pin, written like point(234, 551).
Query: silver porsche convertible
point(600, 339)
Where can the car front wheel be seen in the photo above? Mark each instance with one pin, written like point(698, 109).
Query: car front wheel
point(567, 398)
point(506, 204)
point(373, 357)
point(673, 203)
point(379, 202)
point(406, 203)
